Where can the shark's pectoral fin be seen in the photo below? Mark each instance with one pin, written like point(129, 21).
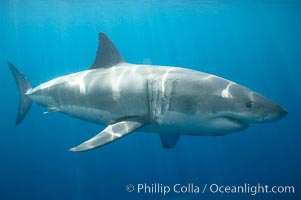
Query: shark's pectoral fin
point(169, 140)
point(110, 134)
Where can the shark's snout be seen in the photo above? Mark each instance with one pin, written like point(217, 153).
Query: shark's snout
point(283, 113)
point(265, 110)
point(275, 114)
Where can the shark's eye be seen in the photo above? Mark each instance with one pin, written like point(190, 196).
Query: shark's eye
point(249, 104)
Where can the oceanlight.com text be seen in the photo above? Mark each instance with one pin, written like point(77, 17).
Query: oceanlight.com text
point(251, 189)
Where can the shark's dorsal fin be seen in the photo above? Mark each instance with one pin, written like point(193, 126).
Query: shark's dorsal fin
point(107, 55)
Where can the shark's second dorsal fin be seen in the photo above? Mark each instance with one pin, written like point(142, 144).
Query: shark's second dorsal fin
point(107, 55)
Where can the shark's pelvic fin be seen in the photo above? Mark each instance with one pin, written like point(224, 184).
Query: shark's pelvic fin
point(23, 86)
point(110, 134)
point(50, 110)
point(107, 54)
point(169, 140)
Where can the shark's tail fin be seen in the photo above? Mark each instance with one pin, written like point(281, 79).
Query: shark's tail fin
point(23, 86)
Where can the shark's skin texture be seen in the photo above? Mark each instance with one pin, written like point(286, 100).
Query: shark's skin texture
point(166, 100)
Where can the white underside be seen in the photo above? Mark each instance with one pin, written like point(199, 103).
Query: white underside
point(88, 114)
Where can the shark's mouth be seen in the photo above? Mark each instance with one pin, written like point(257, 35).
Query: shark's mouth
point(238, 122)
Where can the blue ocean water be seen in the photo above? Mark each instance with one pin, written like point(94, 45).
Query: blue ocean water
point(254, 43)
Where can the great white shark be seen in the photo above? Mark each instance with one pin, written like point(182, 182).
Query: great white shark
point(128, 97)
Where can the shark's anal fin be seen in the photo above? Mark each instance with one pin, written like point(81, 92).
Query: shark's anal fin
point(107, 54)
point(169, 140)
point(110, 134)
